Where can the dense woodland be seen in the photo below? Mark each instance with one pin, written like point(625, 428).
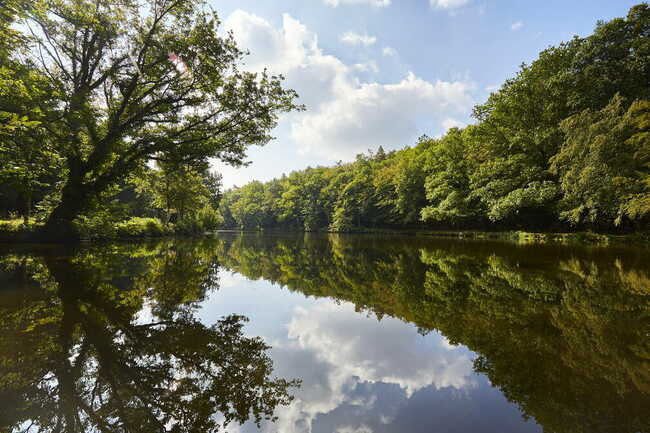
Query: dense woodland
point(564, 145)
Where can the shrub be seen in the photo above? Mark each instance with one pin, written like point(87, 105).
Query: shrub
point(206, 219)
point(137, 227)
point(17, 225)
point(210, 218)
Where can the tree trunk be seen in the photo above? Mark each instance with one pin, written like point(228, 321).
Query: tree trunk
point(28, 207)
point(60, 224)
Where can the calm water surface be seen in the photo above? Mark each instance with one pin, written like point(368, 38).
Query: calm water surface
point(324, 334)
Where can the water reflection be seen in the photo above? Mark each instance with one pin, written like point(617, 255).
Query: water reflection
point(562, 332)
point(106, 339)
point(388, 335)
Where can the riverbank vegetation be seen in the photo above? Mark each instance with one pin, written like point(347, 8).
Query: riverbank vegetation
point(110, 115)
point(562, 146)
point(104, 102)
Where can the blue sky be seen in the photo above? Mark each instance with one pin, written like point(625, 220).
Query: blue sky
point(384, 72)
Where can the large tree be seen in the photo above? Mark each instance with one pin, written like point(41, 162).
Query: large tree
point(143, 80)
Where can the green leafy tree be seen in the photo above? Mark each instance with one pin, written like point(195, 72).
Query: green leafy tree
point(139, 81)
point(603, 166)
point(176, 189)
point(615, 59)
point(518, 132)
point(448, 183)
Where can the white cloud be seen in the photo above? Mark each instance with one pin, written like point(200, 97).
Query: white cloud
point(516, 26)
point(353, 38)
point(345, 115)
point(375, 3)
point(449, 123)
point(447, 4)
point(370, 66)
point(373, 114)
point(389, 51)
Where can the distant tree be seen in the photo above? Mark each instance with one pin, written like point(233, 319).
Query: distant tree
point(176, 189)
point(448, 182)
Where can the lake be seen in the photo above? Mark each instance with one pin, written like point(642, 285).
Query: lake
point(324, 334)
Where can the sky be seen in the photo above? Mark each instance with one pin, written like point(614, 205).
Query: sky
point(384, 72)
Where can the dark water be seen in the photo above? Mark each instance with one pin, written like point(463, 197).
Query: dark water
point(346, 334)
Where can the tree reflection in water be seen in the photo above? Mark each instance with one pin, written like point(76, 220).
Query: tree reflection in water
point(106, 339)
point(562, 331)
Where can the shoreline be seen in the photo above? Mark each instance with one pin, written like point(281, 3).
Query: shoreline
point(584, 238)
point(592, 238)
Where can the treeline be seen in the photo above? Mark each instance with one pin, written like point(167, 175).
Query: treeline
point(564, 145)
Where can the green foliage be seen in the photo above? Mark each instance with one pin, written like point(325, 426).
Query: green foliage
point(448, 184)
point(176, 189)
point(602, 168)
point(206, 219)
point(76, 123)
point(140, 227)
point(170, 90)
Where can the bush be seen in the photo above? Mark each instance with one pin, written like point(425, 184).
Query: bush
point(210, 218)
point(206, 219)
point(137, 227)
point(99, 225)
point(17, 225)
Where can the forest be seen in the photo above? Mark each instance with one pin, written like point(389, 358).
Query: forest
point(564, 145)
point(110, 118)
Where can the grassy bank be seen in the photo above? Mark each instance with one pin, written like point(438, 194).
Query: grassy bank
point(15, 230)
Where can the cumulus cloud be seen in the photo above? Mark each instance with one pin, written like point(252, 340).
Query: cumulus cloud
point(516, 26)
point(353, 38)
point(370, 66)
point(373, 114)
point(447, 4)
point(375, 3)
point(345, 115)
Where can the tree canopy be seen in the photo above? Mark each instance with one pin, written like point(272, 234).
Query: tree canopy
point(136, 81)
